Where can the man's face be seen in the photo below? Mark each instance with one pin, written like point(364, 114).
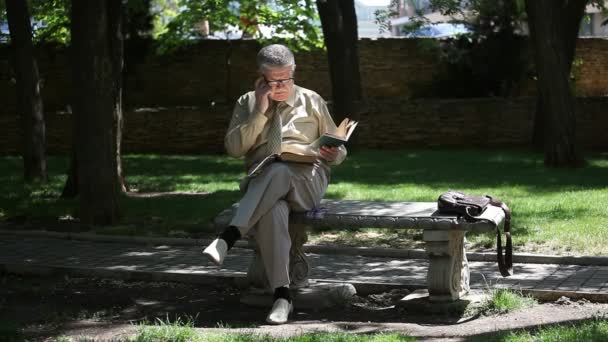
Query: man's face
point(280, 81)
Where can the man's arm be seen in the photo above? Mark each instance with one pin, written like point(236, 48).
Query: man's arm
point(244, 129)
point(248, 120)
point(326, 124)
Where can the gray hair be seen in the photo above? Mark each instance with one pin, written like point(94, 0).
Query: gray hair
point(275, 55)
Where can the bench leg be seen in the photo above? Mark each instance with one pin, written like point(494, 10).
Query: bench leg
point(448, 274)
point(299, 266)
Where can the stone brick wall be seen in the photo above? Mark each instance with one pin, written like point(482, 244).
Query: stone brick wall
point(198, 75)
point(389, 123)
point(197, 91)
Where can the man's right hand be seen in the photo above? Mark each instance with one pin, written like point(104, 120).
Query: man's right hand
point(262, 95)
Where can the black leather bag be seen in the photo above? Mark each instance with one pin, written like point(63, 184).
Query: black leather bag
point(471, 207)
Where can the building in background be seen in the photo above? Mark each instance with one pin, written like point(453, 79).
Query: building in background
point(592, 25)
point(366, 17)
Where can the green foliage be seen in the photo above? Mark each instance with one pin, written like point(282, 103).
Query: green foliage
point(176, 23)
point(55, 18)
point(295, 22)
point(51, 20)
point(491, 60)
point(383, 16)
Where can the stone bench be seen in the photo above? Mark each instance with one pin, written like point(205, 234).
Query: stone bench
point(448, 272)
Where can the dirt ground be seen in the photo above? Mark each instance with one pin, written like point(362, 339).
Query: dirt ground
point(105, 309)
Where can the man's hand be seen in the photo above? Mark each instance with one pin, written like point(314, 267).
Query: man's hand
point(262, 92)
point(329, 153)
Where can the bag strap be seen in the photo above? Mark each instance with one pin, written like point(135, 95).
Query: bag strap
point(505, 263)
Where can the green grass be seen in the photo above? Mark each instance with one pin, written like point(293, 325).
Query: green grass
point(165, 331)
point(559, 211)
point(183, 331)
point(502, 301)
point(595, 330)
point(154, 334)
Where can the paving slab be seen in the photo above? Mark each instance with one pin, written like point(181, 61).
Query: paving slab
point(35, 255)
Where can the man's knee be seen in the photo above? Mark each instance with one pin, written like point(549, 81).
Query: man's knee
point(281, 207)
point(277, 218)
point(279, 172)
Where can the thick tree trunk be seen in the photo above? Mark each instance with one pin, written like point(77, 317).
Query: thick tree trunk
point(29, 100)
point(339, 22)
point(71, 187)
point(554, 50)
point(571, 15)
point(97, 48)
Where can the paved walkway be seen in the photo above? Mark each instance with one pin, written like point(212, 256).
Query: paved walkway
point(185, 263)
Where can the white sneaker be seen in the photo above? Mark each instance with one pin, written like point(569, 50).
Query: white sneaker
point(216, 251)
point(280, 311)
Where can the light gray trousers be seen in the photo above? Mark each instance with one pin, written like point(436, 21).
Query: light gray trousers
point(265, 207)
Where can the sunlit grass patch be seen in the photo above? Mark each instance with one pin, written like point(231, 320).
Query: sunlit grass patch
point(182, 331)
point(502, 301)
point(594, 330)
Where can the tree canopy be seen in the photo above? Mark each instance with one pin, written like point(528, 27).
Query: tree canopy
point(175, 23)
point(296, 21)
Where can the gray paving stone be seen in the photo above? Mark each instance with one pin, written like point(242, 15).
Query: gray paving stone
point(186, 261)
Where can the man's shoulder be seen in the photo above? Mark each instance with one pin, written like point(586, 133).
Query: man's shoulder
point(307, 93)
point(246, 100)
point(247, 96)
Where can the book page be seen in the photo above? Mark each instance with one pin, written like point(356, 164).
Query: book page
point(351, 128)
point(342, 128)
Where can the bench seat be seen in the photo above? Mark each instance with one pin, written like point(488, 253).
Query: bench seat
point(448, 273)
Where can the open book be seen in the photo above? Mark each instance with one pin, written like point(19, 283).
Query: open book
point(308, 153)
point(285, 156)
point(339, 137)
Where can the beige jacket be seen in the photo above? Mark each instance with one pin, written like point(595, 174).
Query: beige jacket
point(305, 118)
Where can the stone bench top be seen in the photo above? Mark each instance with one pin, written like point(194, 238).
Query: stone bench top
point(346, 214)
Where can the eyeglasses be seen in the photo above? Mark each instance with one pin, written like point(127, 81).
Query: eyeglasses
point(276, 83)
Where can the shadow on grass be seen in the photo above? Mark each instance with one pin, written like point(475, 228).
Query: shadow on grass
point(168, 173)
point(210, 183)
point(375, 173)
point(168, 214)
point(468, 169)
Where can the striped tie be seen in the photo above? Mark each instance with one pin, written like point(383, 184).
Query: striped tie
point(275, 134)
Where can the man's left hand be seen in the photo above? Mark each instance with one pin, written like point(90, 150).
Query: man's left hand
point(329, 153)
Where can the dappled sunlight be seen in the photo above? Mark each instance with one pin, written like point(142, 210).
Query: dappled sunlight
point(376, 237)
point(470, 169)
point(175, 194)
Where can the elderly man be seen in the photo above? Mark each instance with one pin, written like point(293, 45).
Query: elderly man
point(276, 117)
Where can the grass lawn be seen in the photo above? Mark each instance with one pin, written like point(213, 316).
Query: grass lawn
point(594, 330)
point(559, 211)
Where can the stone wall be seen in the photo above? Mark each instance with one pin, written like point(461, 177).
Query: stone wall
point(388, 123)
point(197, 91)
point(198, 75)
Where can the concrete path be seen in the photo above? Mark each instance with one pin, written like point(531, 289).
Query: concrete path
point(35, 255)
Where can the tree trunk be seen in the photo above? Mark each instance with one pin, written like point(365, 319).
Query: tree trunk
point(29, 100)
point(572, 14)
point(71, 187)
point(97, 48)
point(554, 44)
point(339, 22)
